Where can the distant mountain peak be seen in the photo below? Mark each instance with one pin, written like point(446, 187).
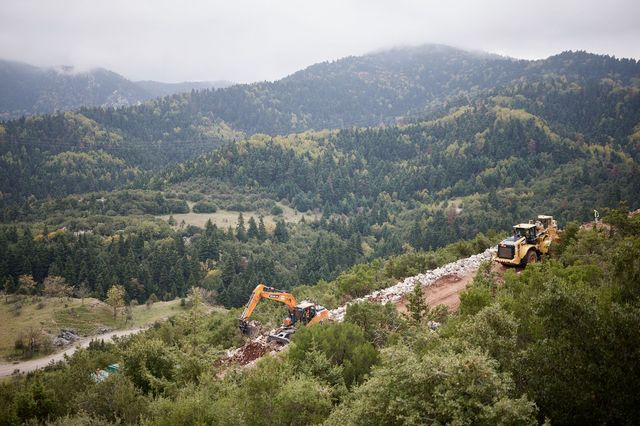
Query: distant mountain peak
point(28, 89)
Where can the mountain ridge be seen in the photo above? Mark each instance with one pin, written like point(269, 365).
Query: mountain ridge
point(581, 96)
point(28, 89)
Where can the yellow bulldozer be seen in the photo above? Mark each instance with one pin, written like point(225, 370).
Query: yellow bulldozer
point(528, 242)
point(305, 312)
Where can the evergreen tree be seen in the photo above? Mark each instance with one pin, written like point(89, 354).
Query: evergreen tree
point(262, 230)
point(252, 231)
point(241, 232)
point(281, 234)
point(417, 306)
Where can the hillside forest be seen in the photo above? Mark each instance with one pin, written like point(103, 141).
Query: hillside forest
point(334, 182)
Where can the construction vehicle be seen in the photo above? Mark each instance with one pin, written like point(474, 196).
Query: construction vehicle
point(305, 312)
point(528, 242)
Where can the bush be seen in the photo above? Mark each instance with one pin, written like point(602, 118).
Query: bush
point(379, 322)
point(344, 344)
point(276, 210)
point(16, 309)
point(205, 207)
point(114, 399)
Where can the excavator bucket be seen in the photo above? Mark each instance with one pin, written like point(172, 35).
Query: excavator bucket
point(247, 328)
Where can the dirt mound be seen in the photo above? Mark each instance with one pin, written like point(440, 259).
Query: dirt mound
point(248, 353)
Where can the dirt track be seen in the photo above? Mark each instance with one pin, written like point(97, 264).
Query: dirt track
point(34, 364)
point(444, 291)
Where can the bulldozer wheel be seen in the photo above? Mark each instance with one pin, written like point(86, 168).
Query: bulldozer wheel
point(532, 257)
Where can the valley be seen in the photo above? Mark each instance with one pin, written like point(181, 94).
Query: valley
point(375, 186)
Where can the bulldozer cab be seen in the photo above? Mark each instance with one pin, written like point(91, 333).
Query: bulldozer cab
point(526, 230)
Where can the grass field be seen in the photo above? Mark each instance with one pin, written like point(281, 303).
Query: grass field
point(225, 218)
point(51, 314)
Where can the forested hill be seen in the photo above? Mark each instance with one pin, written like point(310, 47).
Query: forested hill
point(498, 163)
point(27, 89)
point(588, 99)
point(381, 88)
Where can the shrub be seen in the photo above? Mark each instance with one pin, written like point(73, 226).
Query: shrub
point(205, 207)
point(343, 344)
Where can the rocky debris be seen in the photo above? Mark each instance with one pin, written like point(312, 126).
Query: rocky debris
point(394, 293)
point(249, 353)
point(103, 330)
point(66, 337)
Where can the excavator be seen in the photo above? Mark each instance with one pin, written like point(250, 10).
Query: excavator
point(305, 312)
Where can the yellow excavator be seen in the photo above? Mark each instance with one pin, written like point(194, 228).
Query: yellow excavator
point(528, 242)
point(305, 312)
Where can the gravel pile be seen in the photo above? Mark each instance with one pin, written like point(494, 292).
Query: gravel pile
point(394, 293)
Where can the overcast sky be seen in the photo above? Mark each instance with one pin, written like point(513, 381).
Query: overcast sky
point(250, 40)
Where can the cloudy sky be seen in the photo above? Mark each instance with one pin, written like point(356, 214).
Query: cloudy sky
point(250, 40)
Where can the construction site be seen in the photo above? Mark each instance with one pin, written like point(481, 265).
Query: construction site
point(440, 286)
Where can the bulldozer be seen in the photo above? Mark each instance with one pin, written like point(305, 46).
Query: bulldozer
point(528, 242)
point(305, 312)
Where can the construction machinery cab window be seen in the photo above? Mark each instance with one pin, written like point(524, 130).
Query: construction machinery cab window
point(528, 232)
point(304, 312)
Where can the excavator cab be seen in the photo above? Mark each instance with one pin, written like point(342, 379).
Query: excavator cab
point(304, 312)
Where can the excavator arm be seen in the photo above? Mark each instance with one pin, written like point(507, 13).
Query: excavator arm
point(263, 292)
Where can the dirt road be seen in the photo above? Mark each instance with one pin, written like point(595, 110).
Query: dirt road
point(34, 364)
point(444, 291)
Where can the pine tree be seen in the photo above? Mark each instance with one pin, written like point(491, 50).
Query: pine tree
point(280, 233)
point(241, 232)
point(262, 230)
point(417, 306)
point(252, 231)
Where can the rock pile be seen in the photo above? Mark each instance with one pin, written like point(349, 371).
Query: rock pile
point(249, 353)
point(66, 337)
point(394, 293)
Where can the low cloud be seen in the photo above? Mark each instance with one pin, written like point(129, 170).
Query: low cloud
point(245, 41)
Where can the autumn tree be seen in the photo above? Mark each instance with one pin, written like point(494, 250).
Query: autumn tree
point(115, 298)
point(82, 291)
point(27, 285)
point(55, 286)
